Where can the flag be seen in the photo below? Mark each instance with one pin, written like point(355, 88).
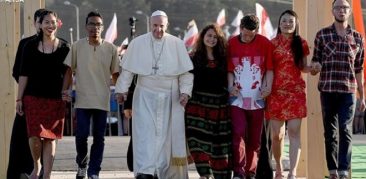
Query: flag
point(191, 36)
point(122, 48)
point(265, 25)
point(358, 20)
point(236, 32)
point(220, 21)
point(111, 33)
point(226, 31)
point(236, 21)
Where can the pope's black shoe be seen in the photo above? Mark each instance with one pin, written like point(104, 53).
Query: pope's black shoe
point(144, 176)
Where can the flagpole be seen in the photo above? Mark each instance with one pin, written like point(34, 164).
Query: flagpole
point(71, 39)
point(147, 19)
point(358, 21)
point(67, 3)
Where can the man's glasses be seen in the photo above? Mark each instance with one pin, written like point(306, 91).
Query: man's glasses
point(338, 8)
point(97, 25)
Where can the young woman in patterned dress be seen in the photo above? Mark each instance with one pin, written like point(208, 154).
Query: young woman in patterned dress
point(208, 126)
point(287, 101)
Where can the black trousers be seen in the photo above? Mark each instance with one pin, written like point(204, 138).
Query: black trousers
point(130, 150)
point(264, 167)
point(20, 158)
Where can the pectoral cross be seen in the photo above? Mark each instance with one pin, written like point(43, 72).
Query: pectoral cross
point(155, 68)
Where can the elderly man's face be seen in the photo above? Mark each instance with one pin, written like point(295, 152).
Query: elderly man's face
point(159, 24)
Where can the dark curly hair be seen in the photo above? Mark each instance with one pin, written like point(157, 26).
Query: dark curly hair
point(250, 22)
point(199, 52)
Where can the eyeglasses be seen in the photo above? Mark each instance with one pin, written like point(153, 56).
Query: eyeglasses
point(338, 8)
point(97, 25)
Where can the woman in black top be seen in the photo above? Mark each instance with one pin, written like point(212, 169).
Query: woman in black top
point(208, 126)
point(39, 92)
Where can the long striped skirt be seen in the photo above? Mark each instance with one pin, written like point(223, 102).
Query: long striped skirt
point(208, 130)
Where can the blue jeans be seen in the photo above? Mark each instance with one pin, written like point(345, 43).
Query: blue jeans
point(83, 117)
point(338, 111)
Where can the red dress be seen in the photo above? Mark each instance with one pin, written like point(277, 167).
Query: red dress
point(288, 98)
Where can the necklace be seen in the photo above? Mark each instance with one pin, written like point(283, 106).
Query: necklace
point(53, 46)
point(156, 59)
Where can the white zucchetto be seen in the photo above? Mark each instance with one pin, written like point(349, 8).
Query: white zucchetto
point(159, 13)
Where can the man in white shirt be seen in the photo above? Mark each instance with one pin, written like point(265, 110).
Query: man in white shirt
point(93, 60)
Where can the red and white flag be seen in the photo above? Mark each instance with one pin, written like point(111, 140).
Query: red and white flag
point(236, 21)
point(235, 33)
point(221, 18)
point(191, 36)
point(111, 33)
point(265, 26)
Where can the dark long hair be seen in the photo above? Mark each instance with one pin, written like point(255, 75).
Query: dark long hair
point(219, 50)
point(296, 45)
point(41, 18)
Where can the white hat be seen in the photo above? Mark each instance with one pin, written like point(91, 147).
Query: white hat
point(159, 13)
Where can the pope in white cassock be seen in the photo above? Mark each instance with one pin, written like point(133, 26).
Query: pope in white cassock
point(163, 87)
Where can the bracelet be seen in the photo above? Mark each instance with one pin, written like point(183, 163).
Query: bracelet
point(18, 100)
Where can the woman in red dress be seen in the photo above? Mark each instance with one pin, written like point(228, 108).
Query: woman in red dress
point(287, 102)
point(39, 92)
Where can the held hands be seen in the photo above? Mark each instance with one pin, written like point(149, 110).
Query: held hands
point(66, 95)
point(265, 91)
point(121, 97)
point(362, 106)
point(127, 113)
point(315, 68)
point(183, 99)
point(234, 91)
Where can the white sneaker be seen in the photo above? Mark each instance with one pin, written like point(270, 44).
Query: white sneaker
point(81, 173)
point(94, 177)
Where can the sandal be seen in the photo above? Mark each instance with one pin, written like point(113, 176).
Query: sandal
point(279, 175)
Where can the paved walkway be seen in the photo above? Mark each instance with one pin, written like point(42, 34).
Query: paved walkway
point(114, 163)
point(107, 175)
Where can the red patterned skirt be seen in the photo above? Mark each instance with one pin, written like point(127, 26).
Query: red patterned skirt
point(45, 117)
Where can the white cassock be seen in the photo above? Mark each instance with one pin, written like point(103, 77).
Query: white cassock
point(162, 66)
